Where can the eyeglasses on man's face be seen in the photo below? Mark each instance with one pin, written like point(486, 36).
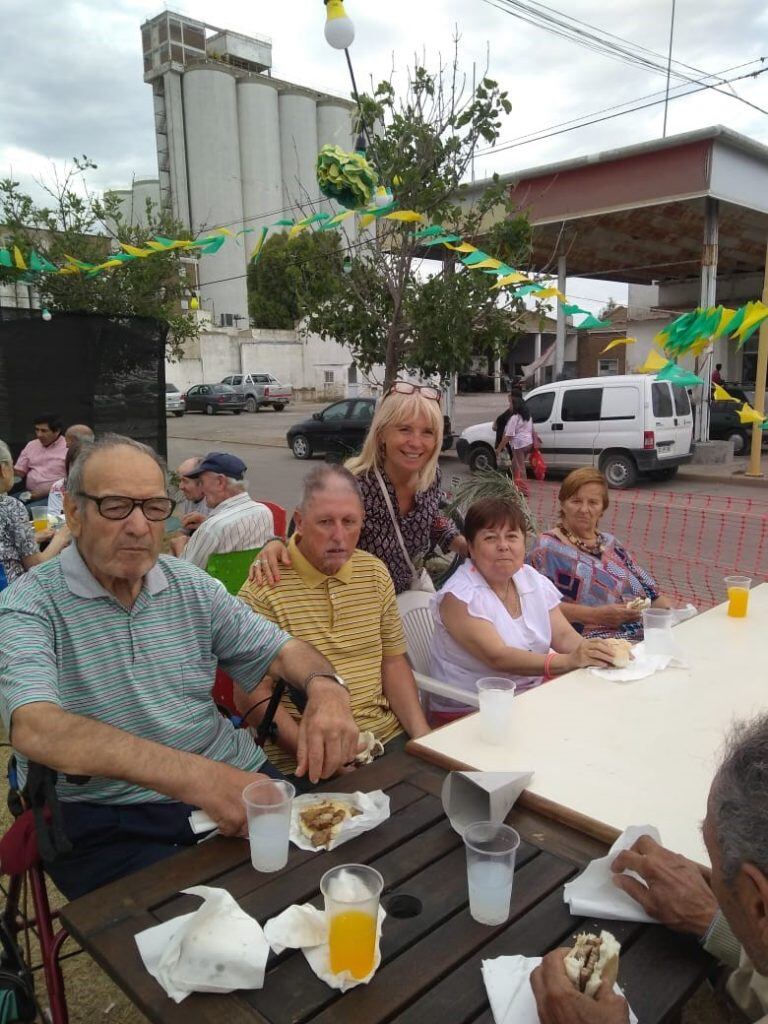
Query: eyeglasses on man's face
point(404, 387)
point(118, 506)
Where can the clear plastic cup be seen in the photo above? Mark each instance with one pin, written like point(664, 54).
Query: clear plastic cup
point(40, 518)
point(351, 893)
point(268, 806)
point(738, 595)
point(496, 696)
point(657, 631)
point(491, 854)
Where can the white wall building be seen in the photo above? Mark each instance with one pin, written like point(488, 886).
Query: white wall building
point(236, 148)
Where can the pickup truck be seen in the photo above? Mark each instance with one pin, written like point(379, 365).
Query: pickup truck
point(260, 389)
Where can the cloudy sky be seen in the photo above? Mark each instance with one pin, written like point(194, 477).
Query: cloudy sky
point(71, 72)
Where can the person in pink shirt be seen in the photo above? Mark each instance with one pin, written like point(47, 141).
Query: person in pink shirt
point(41, 462)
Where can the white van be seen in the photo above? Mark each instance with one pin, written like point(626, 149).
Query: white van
point(627, 426)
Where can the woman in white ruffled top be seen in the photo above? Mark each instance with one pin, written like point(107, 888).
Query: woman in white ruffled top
point(497, 616)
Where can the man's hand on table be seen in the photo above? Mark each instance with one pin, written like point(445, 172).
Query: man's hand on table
point(678, 892)
point(222, 796)
point(558, 1002)
point(328, 736)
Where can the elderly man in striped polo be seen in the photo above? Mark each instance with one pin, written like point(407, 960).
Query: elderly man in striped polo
point(342, 601)
point(107, 657)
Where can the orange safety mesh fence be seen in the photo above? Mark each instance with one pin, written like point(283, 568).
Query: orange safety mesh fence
point(688, 541)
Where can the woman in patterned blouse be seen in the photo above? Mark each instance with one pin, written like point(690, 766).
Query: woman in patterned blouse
point(599, 580)
point(18, 547)
point(399, 460)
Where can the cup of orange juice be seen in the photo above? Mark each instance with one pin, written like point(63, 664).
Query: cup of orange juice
point(351, 893)
point(738, 595)
point(40, 518)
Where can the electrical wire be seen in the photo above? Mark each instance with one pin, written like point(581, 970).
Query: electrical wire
point(551, 132)
point(602, 110)
point(606, 43)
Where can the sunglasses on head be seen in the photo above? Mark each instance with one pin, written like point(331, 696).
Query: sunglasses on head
point(404, 387)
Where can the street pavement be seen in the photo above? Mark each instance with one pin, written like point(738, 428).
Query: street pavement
point(259, 439)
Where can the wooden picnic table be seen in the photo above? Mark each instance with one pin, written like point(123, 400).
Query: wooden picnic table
point(431, 947)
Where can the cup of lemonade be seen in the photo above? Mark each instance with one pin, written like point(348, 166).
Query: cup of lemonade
point(738, 595)
point(351, 893)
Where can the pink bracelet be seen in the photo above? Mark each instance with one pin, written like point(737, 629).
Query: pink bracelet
point(547, 662)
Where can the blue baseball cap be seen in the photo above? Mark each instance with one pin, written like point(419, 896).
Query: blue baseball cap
point(221, 462)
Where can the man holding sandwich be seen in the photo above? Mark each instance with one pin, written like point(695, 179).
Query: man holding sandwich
point(726, 908)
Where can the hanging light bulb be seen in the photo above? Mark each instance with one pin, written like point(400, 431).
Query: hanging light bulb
point(339, 29)
point(47, 315)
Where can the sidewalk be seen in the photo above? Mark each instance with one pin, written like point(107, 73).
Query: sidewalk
point(733, 473)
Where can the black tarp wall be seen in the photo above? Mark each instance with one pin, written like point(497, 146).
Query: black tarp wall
point(109, 374)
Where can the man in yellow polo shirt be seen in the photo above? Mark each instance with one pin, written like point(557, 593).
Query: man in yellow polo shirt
point(342, 601)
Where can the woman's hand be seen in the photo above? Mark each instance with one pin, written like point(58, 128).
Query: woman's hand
point(615, 615)
point(266, 566)
point(589, 652)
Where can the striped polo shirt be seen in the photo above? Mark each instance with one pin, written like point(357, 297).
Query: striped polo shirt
point(237, 524)
point(147, 670)
point(351, 618)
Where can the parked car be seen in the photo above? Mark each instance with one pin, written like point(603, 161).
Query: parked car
point(174, 400)
point(259, 389)
point(213, 398)
point(724, 422)
point(340, 429)
point(627, 426)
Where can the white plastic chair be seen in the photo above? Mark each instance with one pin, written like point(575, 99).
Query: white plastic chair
point(418, 626)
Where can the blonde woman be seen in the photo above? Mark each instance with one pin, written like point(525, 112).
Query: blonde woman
point(400, 481)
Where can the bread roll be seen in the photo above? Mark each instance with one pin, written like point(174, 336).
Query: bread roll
point(592, 960)
point(622, 652)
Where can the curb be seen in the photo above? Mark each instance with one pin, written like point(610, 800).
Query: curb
point(737, 477)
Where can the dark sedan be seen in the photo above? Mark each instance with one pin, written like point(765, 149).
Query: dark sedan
point(340, 429)
point(213, 398)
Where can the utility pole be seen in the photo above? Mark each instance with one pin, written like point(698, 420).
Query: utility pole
point(755, 467)
point(669, 68)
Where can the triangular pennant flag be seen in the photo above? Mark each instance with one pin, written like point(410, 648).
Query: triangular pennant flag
point(653, 363)
point(6, 260)
point(40, 263)
point(18, 259)
point(616, 342)
point(571, 310)
point(749, 415)
point(721, 395)
point(590, 322)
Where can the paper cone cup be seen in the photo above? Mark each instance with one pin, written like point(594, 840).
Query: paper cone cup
point(481, 796)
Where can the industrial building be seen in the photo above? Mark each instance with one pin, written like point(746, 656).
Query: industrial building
point(236, 147)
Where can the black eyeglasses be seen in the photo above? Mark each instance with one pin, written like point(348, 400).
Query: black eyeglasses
point(117, 506)
point(404, 387)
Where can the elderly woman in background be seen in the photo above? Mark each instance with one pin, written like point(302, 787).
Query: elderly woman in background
point(602, 586)
point(496, 616)
point(400, 481)
point(18, 546)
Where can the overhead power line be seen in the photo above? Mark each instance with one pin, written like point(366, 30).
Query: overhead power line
point(606, 43)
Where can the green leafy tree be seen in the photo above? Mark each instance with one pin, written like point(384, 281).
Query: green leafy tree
point(292, 276)
point(80, 224)
point(388, 309)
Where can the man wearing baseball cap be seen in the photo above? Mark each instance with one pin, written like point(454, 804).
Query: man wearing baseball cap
point(236, 522)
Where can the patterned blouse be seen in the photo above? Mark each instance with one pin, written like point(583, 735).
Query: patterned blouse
point(17, 537)
point(615, 578)
point(423, 527)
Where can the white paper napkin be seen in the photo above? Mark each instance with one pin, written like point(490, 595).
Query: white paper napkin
point(305, 927)
point(643, 665)
point(217, 948)
point(507, 982)
point(373, 807)
point(593, 893)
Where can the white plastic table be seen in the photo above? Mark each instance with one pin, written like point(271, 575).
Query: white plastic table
point(607, 755)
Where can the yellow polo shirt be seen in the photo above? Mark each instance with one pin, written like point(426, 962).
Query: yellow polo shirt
point(351, 618)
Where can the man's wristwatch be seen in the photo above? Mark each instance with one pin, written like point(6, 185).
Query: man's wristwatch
point(324, 675)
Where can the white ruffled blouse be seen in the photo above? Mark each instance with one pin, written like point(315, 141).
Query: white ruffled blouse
point(532, 631)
